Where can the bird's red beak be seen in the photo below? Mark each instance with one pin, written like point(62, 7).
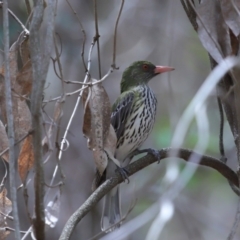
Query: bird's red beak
point(161, 69)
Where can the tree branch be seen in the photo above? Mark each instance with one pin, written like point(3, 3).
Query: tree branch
point(136, 166)
point(36, 105)
point(10, 121)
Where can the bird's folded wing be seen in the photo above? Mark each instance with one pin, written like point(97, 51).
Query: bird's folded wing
point(120, 112)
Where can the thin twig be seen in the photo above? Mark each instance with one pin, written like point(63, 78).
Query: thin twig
point(136, 166)
point(221, 143)
point(57, 58)
point(64, 139)
point(30, 230)
point(17, 19)
point(59, 64)
point(84, 35)
point(115, 36)
point(13, 230)
point(10, 121)
point(7, 216)
point(81, 89)
point(97, 36)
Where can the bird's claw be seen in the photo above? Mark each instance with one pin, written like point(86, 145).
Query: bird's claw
point(155, 153)
point(151, 151)
point(124, 173)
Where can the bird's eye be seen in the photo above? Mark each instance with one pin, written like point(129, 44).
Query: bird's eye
point(145, 67)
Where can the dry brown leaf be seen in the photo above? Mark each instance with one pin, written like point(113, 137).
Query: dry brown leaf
point(24, 50)
point(24, 79)
point(26, 158)
point(5, 208)
point(96, 123)
point(24, 76)
point(3, 141)
point(22, 116)
point(231, 16)
point(21, 112)
point(213, 31)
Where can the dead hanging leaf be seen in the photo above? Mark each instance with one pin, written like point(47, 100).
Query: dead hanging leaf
point(5, 209)
point(24, 76)
point(24, 79)
point(26, 158)
point(96, 123)
point(21, 113)
point(3, 141)
point(213, 31)
point(109, 151)
point(231, 16)
point(47, 141)
point(24, 50)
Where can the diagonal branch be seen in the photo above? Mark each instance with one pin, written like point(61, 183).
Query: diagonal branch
point(136, 166)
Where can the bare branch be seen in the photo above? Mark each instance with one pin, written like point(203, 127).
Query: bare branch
point(136, 166)
point(40, 63)
point(10, 121)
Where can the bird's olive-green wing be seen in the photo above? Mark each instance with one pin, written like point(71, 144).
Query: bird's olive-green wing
point(120, 112)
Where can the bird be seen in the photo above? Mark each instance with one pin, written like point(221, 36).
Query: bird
point(133, 116)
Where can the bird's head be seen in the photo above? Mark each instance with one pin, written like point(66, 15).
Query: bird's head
point(139, 73)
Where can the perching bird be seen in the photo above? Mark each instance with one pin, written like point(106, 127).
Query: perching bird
point(133, 117)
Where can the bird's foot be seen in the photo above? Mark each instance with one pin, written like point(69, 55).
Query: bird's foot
point(124, 173)
point(151, 151)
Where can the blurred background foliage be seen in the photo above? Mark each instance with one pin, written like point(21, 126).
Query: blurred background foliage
point(158, 31)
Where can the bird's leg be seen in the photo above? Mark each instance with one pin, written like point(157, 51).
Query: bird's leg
point(123, 172)
point(151, 151)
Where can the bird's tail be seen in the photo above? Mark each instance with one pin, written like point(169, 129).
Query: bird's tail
point(111, 211)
